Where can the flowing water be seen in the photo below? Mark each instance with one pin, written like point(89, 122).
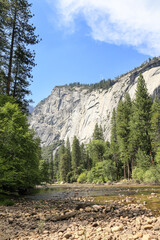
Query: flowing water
point(149, 195)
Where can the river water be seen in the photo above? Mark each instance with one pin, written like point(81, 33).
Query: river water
point(146, 194)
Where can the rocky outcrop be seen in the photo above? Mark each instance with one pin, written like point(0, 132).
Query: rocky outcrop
point(75, 111)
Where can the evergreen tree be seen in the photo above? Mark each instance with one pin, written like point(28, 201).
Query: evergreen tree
point(63, 167)
point(68, 152)
point(76, 156)
point(96, 150)
point(155, 125)
point(44, 171)
point(114, 144)
point(98, 133)
point(123, 120)
point(140, 120)
point(86, 160)
point(56, 166)
point(51, 167)
point(17, 58)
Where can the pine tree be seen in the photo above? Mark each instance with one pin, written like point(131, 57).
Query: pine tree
point(51, 167)
point(4, 7)
point(68, 152)
point(63, 167)
point(122, 121)
point(86, 161)
point(96, 150)
point(155, 125)
point(76, 156)
point(114, 143)
point(98, 133)
point(17, 58)
point(56, 166)
point(140, 120)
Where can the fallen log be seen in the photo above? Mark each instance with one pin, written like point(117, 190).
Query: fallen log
point(62, 217)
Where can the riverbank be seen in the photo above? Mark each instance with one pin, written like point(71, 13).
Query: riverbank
point(79, 218)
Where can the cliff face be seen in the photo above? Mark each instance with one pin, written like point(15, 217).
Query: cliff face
point(75, 111)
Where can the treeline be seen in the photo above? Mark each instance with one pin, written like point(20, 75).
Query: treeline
point(132, 153)
point(19, 148)
point(103, 84)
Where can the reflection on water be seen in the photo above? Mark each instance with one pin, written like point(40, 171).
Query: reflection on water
point(101, 193)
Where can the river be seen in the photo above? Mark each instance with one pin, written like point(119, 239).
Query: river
point(149, 195)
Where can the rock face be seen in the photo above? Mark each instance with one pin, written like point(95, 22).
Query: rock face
point(75, 111)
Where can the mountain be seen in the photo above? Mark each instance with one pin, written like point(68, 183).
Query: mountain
point(30, 108)
point(74, 110)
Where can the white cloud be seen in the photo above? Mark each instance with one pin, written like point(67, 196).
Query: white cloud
point(132, 22)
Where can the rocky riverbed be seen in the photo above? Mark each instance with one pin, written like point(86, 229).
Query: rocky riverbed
point(78, 218)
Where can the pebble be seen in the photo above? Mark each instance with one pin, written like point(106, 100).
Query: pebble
point(114, 221)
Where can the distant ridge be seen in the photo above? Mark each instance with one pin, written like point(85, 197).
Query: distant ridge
point(75, 109)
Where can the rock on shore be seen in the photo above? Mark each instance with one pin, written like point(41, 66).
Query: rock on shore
point(82, 220)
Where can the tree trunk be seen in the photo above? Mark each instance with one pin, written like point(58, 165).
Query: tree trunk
point(125, 171)
point(11, 51)
point(128, 171)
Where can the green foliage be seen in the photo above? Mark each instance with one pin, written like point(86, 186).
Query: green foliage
point(114, 147)
point(140, 121)
point(157, 157)
point(6, 200)
point(103, 84)
point(96, 150)
point(76, 155)
point(155, 124)
point(19, 149)
point(16, 59)
point(132, 152)
point(44, 171)
point(143, 160)
point(123, 131)
point(103, 172)
point(98, 133)
point(63, 166)
point(47, 151)
point(137, 174)
point(82, 177)
point(152, 175)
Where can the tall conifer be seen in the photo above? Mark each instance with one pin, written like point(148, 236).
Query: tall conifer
point(76, 155)
point(16, 58)
point(155, 125)
point(140, 121)
point(114, 148)
point(123, 119)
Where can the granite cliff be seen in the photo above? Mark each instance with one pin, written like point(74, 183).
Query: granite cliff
point(75, 111)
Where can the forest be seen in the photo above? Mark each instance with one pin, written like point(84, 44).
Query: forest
point(133, 151)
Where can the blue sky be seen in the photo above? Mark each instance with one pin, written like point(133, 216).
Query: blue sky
point(88, 40)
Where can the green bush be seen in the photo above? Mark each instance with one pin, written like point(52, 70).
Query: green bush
point(137, 174)
point(19, 149)
point(103, 172)
point(152, 175)
point(82, 178)
point(143, 160)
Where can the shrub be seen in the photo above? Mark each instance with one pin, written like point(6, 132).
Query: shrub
point(82, 178)
point(103, 172)
point(152, 175)
point(137, 174)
